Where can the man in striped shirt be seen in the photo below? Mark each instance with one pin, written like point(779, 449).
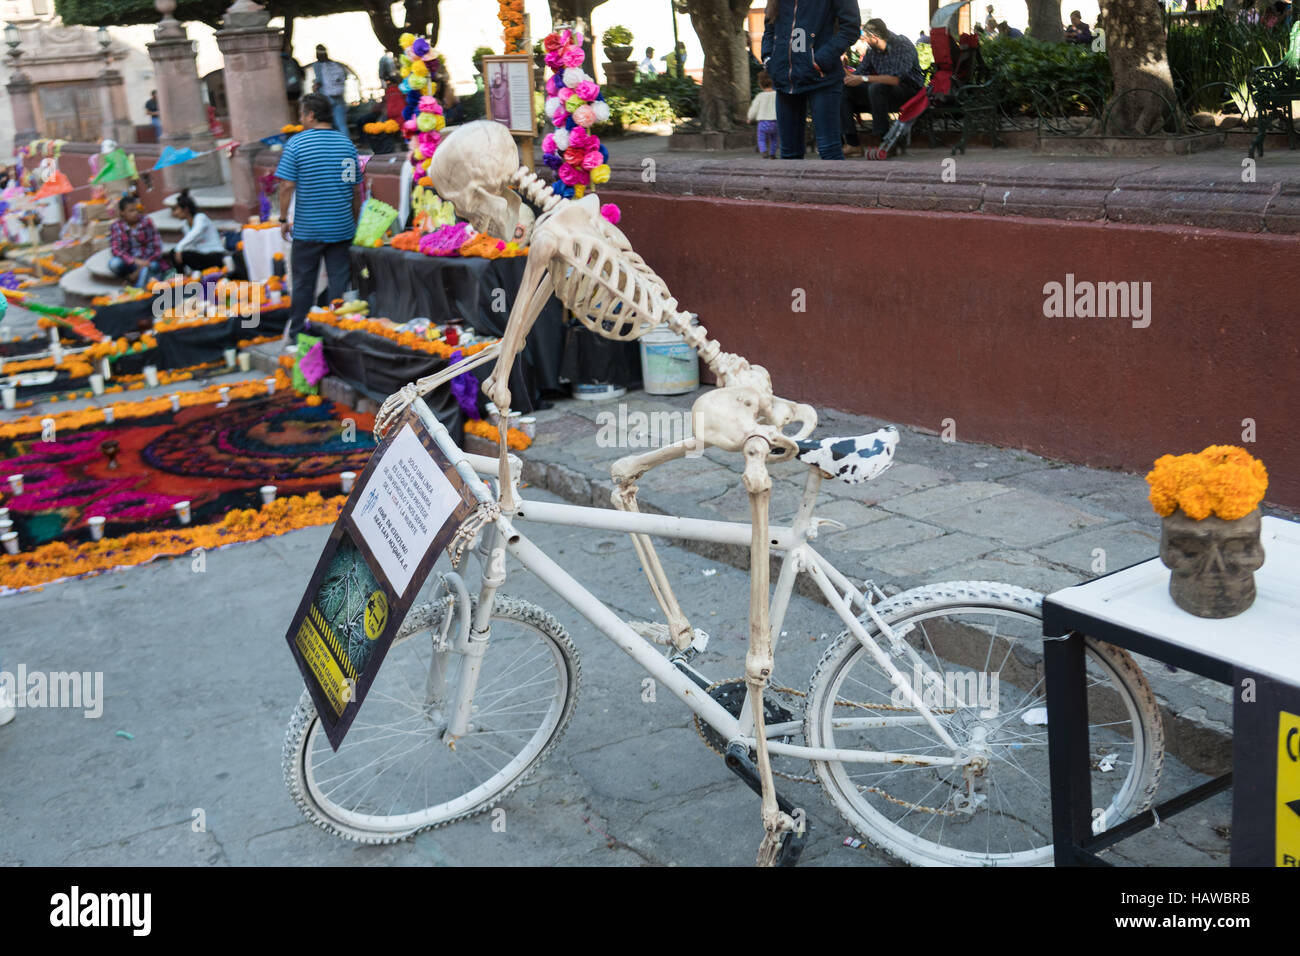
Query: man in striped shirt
point(318, 172)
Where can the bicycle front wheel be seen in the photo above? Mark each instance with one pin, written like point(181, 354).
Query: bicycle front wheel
point(978, 667)
point(394, 775)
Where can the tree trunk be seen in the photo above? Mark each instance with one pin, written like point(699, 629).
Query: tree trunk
point(1135, 44)
point(724, 95)
point(577, 14)
point(1045, 20)
point(422, 19)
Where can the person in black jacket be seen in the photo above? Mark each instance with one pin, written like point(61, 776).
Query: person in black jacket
point(803, 41)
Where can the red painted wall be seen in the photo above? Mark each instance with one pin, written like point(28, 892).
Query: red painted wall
point(916, 317)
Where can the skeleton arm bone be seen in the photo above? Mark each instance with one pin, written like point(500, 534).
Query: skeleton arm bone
point(534, 291)
point(398, 401)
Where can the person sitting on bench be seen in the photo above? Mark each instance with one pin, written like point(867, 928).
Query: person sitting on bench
point(888, 75)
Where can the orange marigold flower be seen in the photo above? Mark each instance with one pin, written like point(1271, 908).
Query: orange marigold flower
point(1223, 480)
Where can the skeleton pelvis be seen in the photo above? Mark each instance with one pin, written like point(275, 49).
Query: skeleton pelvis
point(727, 417)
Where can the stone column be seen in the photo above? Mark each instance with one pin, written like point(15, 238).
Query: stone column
point(21, 100)
point(115, 120)
point(255, 92)
point(181, 111)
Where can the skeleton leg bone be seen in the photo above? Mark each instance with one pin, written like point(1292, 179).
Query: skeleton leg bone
point(759, 660)
point(626, 472)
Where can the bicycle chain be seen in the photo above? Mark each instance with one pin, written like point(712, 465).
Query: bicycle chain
point(796, 778)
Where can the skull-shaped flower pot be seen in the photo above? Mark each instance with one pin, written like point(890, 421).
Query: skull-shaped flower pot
point(1212, 562)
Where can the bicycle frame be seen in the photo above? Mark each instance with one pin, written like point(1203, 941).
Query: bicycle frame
point(792, 541)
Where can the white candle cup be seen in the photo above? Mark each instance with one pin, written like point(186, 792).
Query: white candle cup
point(275, 297)
point(347, 478)
point(224, 393)
point(6, 526)
point(151, 376)
point(96, 524)
point(231, 355)
point(528, 426)
point(16, 484)
point(108, 416)
point(268, 493)
point(10, 397)
point(245, 361)
point(270, 385)
point(4, 514)
point(106, 368)
point(176, 402)
point(182, 509)
point(97, 383)
point(10, 541)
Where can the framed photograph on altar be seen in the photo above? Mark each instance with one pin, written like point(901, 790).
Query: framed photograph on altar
point(508, 92)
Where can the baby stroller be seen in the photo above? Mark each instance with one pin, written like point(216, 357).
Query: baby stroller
point(956, 64)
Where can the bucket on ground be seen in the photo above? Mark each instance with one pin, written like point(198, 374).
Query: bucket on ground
point(669, 366)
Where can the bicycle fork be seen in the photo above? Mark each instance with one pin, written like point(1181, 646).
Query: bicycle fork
point(476, 643)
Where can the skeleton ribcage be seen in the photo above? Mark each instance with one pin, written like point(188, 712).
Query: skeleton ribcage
point(610, 291)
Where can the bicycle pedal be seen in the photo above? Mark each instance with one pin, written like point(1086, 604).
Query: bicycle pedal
point(792, 847)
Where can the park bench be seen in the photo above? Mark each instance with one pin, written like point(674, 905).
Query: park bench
point(1272, 89)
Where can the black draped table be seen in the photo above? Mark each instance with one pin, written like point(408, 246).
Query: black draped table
point(402, 285)
point(377, 367)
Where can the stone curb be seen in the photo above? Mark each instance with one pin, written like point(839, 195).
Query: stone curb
point(1134, 192)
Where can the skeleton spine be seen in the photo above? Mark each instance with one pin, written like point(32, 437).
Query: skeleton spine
point(538, 192)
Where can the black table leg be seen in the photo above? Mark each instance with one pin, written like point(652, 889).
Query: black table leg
point(1067, 735)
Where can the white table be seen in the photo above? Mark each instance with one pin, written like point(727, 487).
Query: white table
point(1132, 609)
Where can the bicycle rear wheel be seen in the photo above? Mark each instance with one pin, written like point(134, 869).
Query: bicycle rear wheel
point(393, 775)
point(983, 642)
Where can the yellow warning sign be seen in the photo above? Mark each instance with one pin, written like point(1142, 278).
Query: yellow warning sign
point(337, 688)
point(1288, 789)
point(376, 614)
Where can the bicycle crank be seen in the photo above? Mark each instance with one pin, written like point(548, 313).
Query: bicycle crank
point(731, 695)
point(792, 841)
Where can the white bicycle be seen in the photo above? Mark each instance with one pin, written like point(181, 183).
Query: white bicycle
point(477, 690)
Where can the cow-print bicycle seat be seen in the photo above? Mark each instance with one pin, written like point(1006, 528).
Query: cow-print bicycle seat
point(852, 460)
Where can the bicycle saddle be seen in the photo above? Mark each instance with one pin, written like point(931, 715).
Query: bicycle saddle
point(852, 460)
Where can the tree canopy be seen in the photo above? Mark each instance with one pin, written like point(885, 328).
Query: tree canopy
point(421, 15)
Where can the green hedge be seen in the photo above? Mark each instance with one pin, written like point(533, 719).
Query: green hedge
point(662, 99)
point(1024, 66)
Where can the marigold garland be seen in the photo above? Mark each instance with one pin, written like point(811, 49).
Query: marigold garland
point(29, 425)
point(511, 15)
point(514, 437)
point(408, 340)
point(58, 560)
point(1222, 480)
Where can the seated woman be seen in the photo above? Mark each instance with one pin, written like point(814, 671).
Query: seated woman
point(201, 246)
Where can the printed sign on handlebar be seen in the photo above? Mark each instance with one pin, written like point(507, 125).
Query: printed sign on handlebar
point(404, 510)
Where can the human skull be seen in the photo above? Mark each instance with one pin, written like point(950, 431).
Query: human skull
point(472, 170)
point(1212, 563)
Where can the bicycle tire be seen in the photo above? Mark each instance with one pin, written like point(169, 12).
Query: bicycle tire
point(306, 749)
point(869, 805)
